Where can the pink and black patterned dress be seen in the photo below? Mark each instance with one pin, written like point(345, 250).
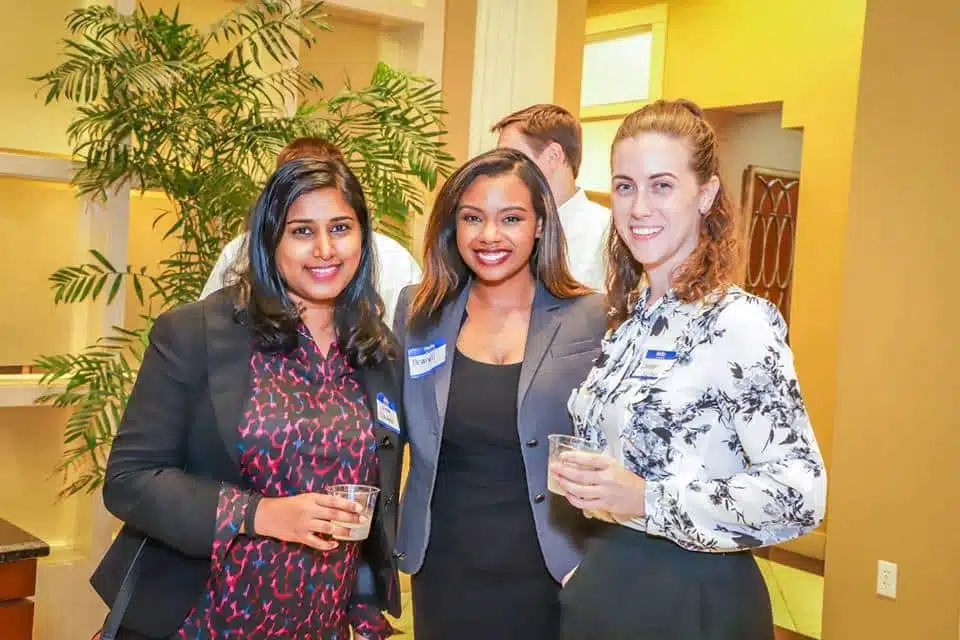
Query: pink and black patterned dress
point(306, 426)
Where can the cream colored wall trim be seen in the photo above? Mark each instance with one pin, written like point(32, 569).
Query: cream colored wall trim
point(513, 62)
point(408, 12)
point(22, 164)
point(616, 21)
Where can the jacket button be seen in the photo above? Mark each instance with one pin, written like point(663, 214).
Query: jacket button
point(539, 498)
point(532, 443)
point(390, 498)
point(385, 442)
point(399, 555)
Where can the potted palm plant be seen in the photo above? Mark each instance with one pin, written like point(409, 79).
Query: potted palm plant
point(199, 114)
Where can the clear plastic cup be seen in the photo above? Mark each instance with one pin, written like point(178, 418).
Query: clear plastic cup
point(558, 445)
point(366, 496)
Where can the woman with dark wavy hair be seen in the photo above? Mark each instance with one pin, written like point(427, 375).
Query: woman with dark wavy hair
point(708, 451)
point(249, 405)
point(495, 337)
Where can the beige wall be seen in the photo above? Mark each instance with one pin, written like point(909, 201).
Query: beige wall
point(895, 477)
point(568, 66)
point(36, 224)
point(755, 139)
point(29, 451)
point(29, 43)
point(350, 51)
point(459, 33)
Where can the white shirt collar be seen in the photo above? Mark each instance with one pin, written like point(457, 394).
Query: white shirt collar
point(574, 204)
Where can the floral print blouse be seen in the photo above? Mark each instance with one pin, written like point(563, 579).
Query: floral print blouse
point(702, 401)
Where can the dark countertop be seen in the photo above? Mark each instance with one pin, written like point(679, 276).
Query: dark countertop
point(16, 544)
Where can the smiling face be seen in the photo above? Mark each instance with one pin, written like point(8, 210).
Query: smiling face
point(657, 200)
point(320, 249)
point(497, 228)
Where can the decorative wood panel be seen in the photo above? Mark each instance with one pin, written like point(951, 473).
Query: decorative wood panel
point(770, 210)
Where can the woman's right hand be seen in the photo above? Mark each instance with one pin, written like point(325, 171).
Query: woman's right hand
point(306, 518)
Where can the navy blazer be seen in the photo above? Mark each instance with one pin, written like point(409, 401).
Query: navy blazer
point(562, 342)
point(179, 439)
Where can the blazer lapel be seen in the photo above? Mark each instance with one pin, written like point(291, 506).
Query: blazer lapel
point(230, 346)
point(543, 328)
point(446, 333)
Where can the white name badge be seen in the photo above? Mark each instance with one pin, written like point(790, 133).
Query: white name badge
point(423, 360)
point(387, 413)
point(655, 363)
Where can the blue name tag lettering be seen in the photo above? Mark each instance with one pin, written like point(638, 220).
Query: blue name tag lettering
point(387, 413)
point(424, 360)
point(655, 363)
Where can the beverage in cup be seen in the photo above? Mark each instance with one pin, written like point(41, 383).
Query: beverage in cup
point(366, 496)
point(560, 444)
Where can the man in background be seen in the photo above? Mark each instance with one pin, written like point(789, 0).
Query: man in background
point(396, 268)
point(551, 137)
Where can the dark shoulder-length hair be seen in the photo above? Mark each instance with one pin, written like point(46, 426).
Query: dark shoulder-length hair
point(444, 271)
point(264, 304)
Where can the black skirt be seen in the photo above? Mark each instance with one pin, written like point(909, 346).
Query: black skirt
point(631, 586)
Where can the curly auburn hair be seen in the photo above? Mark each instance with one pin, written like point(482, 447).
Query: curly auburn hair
point(714, 264)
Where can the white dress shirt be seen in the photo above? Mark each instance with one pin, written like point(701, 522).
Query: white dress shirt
point(585, 226)
point(702, 401)
point(396, 268)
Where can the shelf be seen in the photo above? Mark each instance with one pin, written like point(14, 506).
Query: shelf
point(22, 390)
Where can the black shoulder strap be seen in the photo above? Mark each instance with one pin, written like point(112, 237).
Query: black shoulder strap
point(112, 624)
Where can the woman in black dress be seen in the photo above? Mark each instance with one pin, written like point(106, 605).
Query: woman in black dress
point(495, 337)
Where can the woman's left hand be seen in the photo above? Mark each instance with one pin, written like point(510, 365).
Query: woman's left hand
point(598, 483)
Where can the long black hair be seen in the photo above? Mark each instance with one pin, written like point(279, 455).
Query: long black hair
point(264, 304)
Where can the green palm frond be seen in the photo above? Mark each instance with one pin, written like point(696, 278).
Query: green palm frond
point(272, 27)
point(97, 385)
point(158, 108)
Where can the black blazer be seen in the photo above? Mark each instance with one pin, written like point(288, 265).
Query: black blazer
point(178, 440)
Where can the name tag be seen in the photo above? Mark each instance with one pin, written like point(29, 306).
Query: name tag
point(423, 360)
point(387, 413)
point(655, 363)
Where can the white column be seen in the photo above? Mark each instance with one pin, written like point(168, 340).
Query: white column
point(513, 62)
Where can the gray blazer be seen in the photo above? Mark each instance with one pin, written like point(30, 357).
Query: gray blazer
point(562, 343)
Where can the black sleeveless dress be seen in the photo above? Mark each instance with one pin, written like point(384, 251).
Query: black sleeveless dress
point(483, 576)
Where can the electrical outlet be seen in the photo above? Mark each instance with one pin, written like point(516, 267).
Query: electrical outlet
point(886, 579)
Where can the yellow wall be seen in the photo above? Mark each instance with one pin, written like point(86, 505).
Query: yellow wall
point(568, 66)
point(146, 247)
point(37, 222)
point(351, 50)
point(29, 44)
point(806, 54)
point(895, 485)
point(30, 446)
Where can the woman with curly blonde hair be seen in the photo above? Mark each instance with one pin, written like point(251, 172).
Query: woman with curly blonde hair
point(708, 451)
